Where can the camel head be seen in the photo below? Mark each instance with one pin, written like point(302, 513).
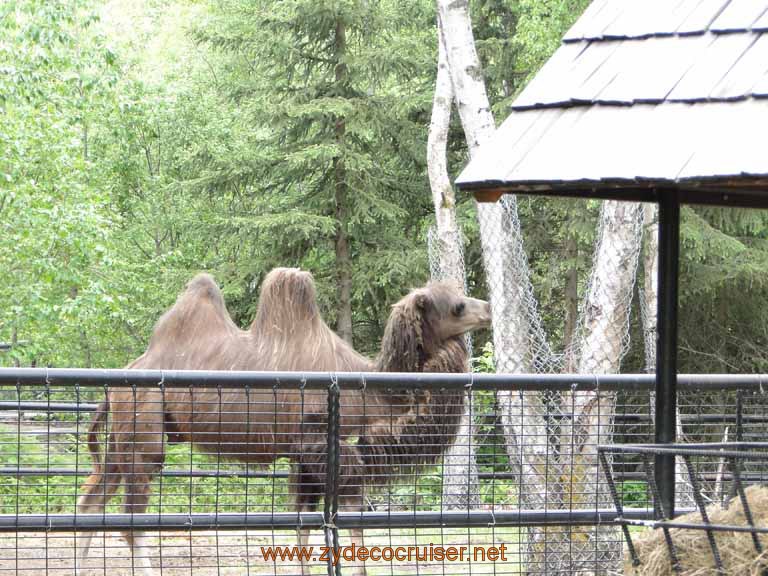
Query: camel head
point(422, 322)
point(446, 312)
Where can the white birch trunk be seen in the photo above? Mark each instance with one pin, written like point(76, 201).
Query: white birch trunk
point(604, 322)
point(526, 448)
point(650, 283)
point(460, 482)
point(605, 331)
point(443, 197)
point(684, 490)
point(466, 73)
point(588, 415)
point(607, 306)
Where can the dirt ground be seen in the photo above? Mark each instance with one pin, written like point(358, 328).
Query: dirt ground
point(229, 553)
point(172, 553)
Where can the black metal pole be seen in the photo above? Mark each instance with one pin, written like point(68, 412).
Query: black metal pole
point(666, 345)
point(332, 471)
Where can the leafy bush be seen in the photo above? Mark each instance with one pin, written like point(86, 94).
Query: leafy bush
point(634, 494)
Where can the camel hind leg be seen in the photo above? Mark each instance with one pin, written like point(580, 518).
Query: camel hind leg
point(138, 424)
point(138, 487)
point(137, 494)
point(99, 490)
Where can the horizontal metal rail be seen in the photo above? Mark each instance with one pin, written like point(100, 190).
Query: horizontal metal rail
point(74, 377)
point(10, 471)
point(707, 477)
point(698, 418)
point(692, 526)
point(37, 406)
point(46, 407)
point(292, 520)
point(746, 450)
point(21, 472)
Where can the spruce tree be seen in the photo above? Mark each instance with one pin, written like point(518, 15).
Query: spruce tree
point(340, 94)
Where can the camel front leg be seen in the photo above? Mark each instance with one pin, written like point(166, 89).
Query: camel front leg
point(352, 501)
point(305, 485)
point(308, 481)
point(302, 537)
point(352, 496)
point(141, 552)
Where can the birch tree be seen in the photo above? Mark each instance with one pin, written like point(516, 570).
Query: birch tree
point(460, 483)
point(449, 242)
point(510, 322)
point(601, 345)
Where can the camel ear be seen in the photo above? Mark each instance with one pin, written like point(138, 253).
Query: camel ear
point(422, 301)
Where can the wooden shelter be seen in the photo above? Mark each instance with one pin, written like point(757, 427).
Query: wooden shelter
point(642, 95)
point(647, 100)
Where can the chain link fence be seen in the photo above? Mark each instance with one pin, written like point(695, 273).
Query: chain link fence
point(548, 433)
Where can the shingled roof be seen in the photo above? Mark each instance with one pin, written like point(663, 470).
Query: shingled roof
point(642, 95)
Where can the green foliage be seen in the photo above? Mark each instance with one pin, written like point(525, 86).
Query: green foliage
point(725, 257)
point(152, 140)
point(634, 494)
point(343, 89)
point(484, 363)
point(54, 209)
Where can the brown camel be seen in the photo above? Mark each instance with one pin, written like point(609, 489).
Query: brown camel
point(256, 426)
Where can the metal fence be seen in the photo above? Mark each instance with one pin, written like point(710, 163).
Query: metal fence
point(362, 454)
point(721, 537)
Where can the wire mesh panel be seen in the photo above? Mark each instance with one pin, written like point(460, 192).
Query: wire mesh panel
point(727, 536)
point(233, 473)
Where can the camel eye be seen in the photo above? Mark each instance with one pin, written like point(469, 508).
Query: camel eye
point(458, 310)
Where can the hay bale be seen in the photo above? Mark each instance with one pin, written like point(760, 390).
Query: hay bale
point(737, 550)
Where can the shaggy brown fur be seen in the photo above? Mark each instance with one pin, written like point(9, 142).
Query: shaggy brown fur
point(288, 334)
point(400, 432)
point(426, 432)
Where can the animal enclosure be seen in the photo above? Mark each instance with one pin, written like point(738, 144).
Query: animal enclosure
point(382, 473)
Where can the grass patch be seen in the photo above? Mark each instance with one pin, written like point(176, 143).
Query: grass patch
point(229, 493)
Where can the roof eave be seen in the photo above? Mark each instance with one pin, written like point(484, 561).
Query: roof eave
point(731, 191)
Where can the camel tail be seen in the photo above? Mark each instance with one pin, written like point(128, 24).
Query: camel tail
point(97, 423)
